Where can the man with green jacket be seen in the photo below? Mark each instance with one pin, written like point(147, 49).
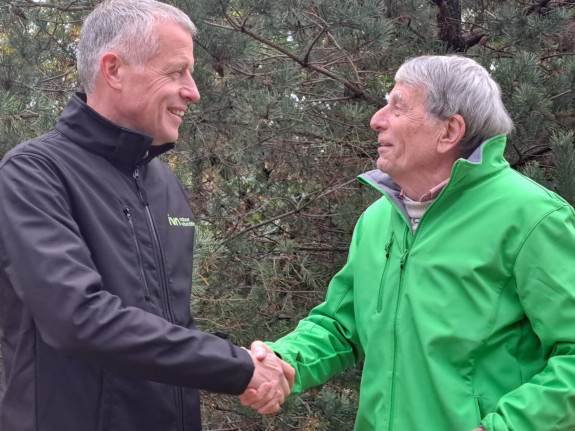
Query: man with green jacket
point(459, 289)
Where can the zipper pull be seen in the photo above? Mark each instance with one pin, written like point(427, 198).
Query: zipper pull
point(403, 259)
point(388, 247)
point(141, 191)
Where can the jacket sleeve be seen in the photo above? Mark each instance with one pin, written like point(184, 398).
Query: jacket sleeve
point(49, 266)
point(545, 275)
point(326, 342)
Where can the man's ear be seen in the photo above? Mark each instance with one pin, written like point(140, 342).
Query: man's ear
point(452, 134)
point(111, 68)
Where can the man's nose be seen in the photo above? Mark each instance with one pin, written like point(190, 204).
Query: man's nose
point(189, 90)
point(377, 122)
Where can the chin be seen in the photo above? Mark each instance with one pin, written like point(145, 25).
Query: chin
point(168, 138)
point(380, 165)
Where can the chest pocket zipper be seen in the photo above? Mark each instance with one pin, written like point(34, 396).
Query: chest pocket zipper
point(138, 253)
point(381, 282)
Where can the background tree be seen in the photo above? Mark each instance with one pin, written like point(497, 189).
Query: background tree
point(270, 153)
point(37, 65)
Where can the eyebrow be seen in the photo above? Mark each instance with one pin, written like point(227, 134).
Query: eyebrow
point(184, 65)
point(396, 97)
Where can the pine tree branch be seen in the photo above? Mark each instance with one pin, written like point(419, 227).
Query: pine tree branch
point(49, 90)
point(560, 94)
point(64, 8)
point(449, 23)
point(354, 87)
point(318, 37)
point(325, 27)
point(63, 75)
point(539, 7)
point(333, 99)
point(324, 249)
point(289, 213)
point(215, 24)
point(449, 26)
point(346, 54)
point(524, 159)
point(559, 54)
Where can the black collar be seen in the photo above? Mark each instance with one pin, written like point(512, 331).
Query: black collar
point(125, 148)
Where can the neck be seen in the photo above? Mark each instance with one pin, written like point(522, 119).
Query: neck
point(416, 190)
point(97, 103)
point(417, 184)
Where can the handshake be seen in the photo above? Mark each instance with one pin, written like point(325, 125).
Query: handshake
point(271, 381)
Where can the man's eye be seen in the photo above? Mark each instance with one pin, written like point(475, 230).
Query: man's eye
point(183, 72)
point(177, 74)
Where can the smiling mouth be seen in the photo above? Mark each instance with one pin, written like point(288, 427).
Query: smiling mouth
point(177, 112)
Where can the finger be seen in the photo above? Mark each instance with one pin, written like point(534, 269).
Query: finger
point(263, 396)
point(249, 397)
point(285, 387)
point(256, 399)
point(289, 373)
point(259, 350)
point(272, 407)
point(266, 403)
point(280, 397)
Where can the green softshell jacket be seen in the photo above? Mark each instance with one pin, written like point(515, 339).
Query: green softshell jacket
point(468, 320)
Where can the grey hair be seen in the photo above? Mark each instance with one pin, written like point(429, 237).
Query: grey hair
point(125, 27)
point(458, 85)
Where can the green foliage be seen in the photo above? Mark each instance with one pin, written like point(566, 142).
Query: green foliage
point(270, 153)
point(37, 66)
point(561, 178)
point(10, 106)
point(533, 170)
point(564, 154)
point(207, 252)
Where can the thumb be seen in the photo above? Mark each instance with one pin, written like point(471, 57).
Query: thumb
point(260, 350)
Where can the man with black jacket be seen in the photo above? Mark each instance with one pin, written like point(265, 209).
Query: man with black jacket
point(96, 240)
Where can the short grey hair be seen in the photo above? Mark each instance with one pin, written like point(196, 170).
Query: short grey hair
point(458, 85)
point(125, 27)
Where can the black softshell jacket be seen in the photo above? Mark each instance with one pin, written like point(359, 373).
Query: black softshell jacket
point(96, 239)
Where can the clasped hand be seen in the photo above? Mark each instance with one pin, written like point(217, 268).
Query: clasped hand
point(271, 381)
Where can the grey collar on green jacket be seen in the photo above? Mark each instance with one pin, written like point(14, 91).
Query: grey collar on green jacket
point(384, 183)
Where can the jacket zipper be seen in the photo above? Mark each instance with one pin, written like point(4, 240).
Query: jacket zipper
point(402, 263)
point(165, 295)
point(138, 253)
point(380, 296)
point(156, 248)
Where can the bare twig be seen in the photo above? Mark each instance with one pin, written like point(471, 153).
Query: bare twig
point(559, 54)
point(318, 37)
point(63, 75)
point(560, 94)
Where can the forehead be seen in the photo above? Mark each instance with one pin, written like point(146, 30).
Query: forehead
point(175, 42)
point(405, 93)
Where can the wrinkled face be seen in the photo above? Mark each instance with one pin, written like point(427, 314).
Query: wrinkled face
point(407, 138)
point(155, 97)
